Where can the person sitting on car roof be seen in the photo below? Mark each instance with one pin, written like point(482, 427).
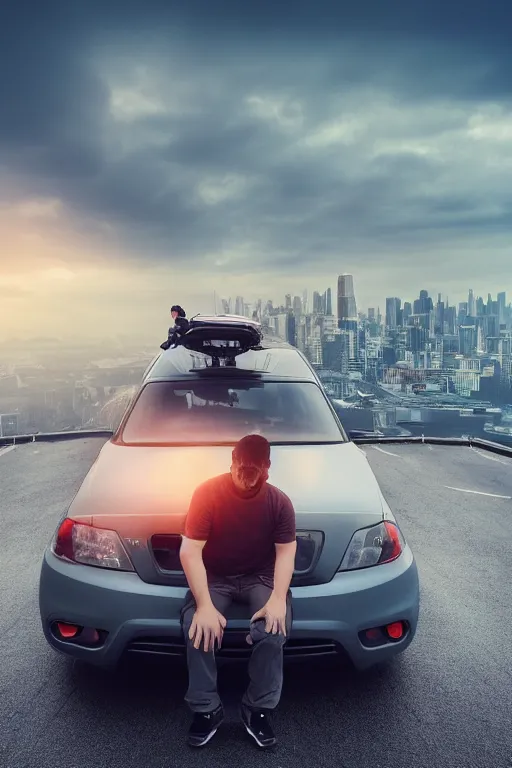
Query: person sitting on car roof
point(181, 326)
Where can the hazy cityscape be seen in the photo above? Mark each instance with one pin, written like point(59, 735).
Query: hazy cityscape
point(411, 366)
point(47, 386)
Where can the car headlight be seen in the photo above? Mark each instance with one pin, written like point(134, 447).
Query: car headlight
point(88, 545)
point(379, 544)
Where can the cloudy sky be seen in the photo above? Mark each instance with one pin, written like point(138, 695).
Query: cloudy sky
point(155, 152)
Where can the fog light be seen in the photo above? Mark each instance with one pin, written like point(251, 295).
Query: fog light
point(67, 631)
point(373, 634)
point(395, 630)
point(90, 636)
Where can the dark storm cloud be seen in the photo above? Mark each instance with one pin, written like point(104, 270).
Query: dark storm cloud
point(49, 98)
point(227, 171)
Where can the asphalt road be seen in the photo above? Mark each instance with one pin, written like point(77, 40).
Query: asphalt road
point(446, 703)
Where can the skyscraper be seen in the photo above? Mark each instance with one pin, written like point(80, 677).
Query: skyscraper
point(450, 319)
point(393, 312)
point(471, 304)
point(468, 339)
point(305, 307)
point(439, 319)
point(502, 303)
point(239, 305)
point(318, 303)
point(347, 309)
point(328, 302)
point(347, 321)
point(284, 323)
point(424, 304)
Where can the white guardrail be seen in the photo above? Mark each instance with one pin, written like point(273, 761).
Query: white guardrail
point(476, 442)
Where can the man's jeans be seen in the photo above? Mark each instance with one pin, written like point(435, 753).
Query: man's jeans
point(266, 663)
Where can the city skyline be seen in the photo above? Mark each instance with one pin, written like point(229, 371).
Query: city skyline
point(157, 150)
point(455, 356)
point(341, 310)
point(161, 312)
point(419, 345)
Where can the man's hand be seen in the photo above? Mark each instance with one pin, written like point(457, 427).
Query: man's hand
point(207, 625)
point(274, 613)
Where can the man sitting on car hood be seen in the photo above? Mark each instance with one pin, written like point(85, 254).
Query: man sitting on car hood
point(239, 545)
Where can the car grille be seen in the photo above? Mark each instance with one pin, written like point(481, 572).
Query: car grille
point(166, 549)
point(309, 546)
point(234, 646)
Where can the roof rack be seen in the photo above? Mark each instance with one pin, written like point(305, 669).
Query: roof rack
point(222, 337)
point(225, 371)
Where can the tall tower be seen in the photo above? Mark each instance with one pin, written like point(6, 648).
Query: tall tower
point(239, 305)
point(328, 302)
point(393, 306)
point(471, 303)
point(347, 323)
point(317, 303)
point(502, 303)
point(347, 309)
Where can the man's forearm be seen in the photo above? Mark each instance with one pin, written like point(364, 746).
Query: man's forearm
point(283, 570)
point(195, 572)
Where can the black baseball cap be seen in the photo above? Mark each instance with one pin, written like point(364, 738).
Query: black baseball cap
point(253, 450)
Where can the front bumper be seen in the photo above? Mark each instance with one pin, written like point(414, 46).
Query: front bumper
point(141, 617)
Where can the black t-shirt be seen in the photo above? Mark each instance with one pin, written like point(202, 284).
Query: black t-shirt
point(240, 532)
point(180, 327)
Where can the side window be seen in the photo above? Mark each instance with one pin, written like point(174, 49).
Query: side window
point(150, 367)
point(115, 407)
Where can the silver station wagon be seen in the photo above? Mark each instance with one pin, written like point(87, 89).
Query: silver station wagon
point(111, 580)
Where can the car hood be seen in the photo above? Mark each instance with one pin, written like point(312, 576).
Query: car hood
point(154, 485)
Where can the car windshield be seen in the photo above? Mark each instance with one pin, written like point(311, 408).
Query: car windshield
point(223, 411)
